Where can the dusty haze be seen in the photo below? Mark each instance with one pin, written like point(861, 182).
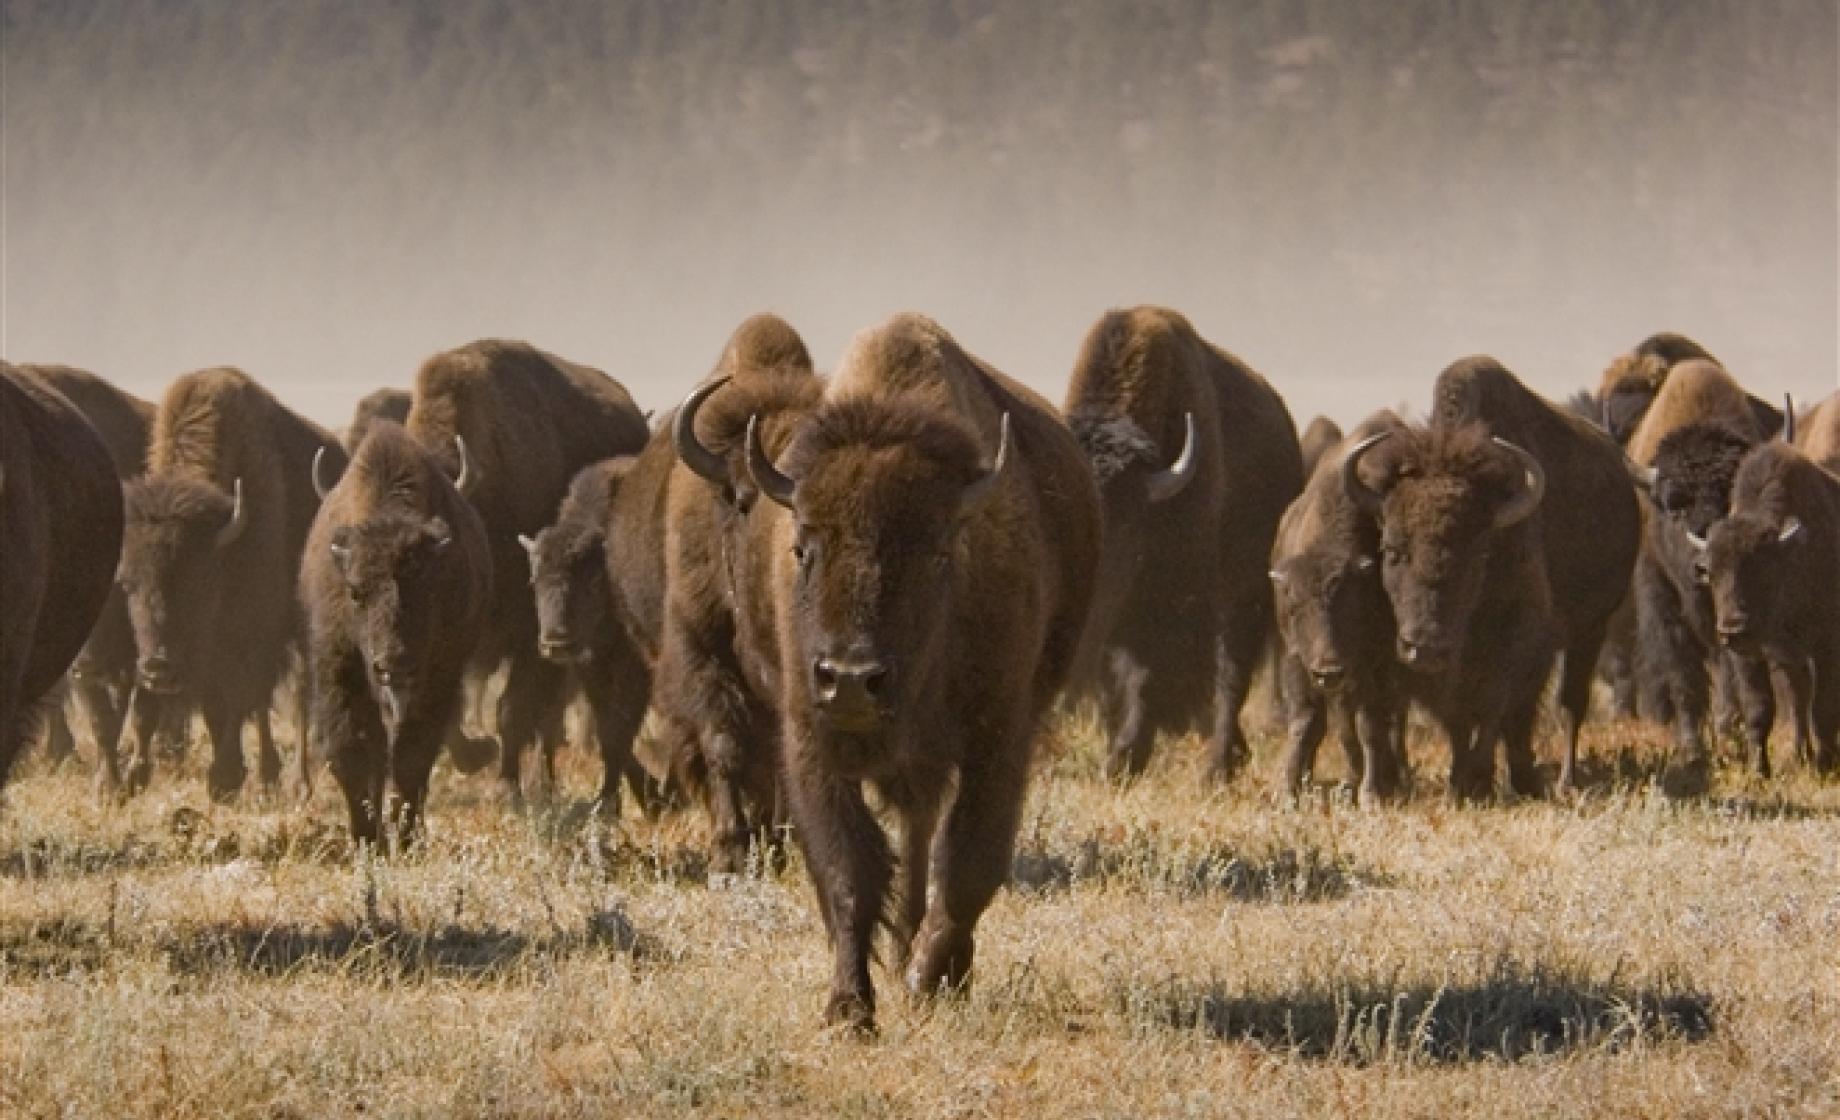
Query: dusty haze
point(1347, 195)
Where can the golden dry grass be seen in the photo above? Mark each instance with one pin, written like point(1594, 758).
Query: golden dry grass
point(1164, 952)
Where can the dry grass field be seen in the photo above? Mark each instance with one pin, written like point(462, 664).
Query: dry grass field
point(1162, 953)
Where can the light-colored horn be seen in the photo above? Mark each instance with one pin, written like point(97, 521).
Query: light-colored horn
point(707, 464)
point(239, 517)
point(463, 481)
point(983, 489)
point(767, 477)
point(1528, 500)
point(1170, 481)
point(529, 543)
point(320, 486)
point(1361, 494)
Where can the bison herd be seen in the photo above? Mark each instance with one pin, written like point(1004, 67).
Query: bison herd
point(881, 581)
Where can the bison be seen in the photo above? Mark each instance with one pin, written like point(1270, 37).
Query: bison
point(1686, 453)
point(1337, 629)
point(596, 573)
point(525, 422)
point(210, 556)
point(1464, 570)
point(396, 583)
point(1195, 458)
point(1589, 526)
point(931, 555)
point(765, 371)
point(103, 674)
point(1629, 384)
point(61, 519)
point(1773, 568)
point(1817, 434)
point(383, 404)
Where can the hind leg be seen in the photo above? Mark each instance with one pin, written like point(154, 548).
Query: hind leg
point(1576, 675)
point(1246, 628)
point(1127, 710)
point(268, 759)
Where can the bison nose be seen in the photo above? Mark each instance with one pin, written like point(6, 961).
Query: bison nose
point(856, 683)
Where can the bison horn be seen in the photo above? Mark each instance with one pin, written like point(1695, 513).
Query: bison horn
point(983, 489)
point(1791, 528)
point(707, 464)
point(1523, 504)
point(320, 485)
point(239, 519)
point(767, 477)
point(1360, 493)
point(1788, 431)
point(1168, 482)
point(1698, 542)
point(529, 543)
point(464, 480)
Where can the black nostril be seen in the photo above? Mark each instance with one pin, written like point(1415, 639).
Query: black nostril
point(824, 675)
point(875, 679)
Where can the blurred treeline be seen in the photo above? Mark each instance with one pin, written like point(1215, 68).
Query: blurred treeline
point(1505, 166)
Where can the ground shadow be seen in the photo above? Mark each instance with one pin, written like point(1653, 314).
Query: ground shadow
point(1516, 1014)
point(1283, 876)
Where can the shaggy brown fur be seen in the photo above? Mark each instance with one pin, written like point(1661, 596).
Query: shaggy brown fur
point(530, 421)
point(1337, 628)
point(1773, 567)
point(214, 616)
point(61, 521)
point(1184, 608)
point(1589, 524)
point(1629, 385)
point(103, 674)
point(1322, 435)
point(1477, 627)
point(1817, 434)
point(396, 582)
point(383, 404)
point(702, 680)
point(966, 618)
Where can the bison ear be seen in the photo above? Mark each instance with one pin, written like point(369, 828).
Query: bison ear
point(1791, 529)
point(439, 532)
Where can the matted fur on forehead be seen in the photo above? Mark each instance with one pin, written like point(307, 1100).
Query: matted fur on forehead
point(1112, 443)
point(1705, 450)
point(1465, 454)
point(874, 422)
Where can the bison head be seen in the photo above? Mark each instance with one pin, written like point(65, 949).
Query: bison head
point(1134, 477)
point(1690, 483)
point(879, 494)
point(568, 572)
point(1330, 606)
point(1748, 561)
point(172, 559)
point(1442, 498)
point(390, 568)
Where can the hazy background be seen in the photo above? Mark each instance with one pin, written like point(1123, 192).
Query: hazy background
point(1347, 194)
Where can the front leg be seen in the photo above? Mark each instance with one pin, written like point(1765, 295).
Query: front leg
point(1757, 699)
point(851, 867)
point(1305, 721)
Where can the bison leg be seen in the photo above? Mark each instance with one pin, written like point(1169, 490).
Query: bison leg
point(1798, 676)
point(60, 744)
point(412, 758)
point(1236, 659)
point(1305, 723)
point(972, 856)
point(1517, 745)
point(103, 713)
point(1382, 751)
point(618, 685)
point(919, 821)
point(1825, 716)
point(268, 759)
point(1127, 716)
point(351, 732)
point(1576, 677)
point(1674, 657)
point(147, 715)
point(851, 869)
point(533, 692)
point(228, 770)
point(1757, 697)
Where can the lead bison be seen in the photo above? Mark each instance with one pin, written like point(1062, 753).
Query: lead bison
point(1466, 575)
point(1773, 568)
point(931, 555)
point(525, 422)
point(1338, 630)
point(61, 520)
point(1195, 457)
point(764, 372)
point(210, 556)
point(1687, 452)
point(396, 583)
point(1589, 526)
point(103, 675)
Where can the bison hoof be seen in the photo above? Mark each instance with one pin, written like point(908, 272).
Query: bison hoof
point(470, 754)
point(851, 1011)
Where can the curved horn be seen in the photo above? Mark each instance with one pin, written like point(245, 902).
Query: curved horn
point(1788, 429)
point(1521, 507)
point(239, 518)
point(529, 543)
point(983, 489)
point(320, 486)
point(464, 480)
point(1361, 494)
point(706, 463)
point(1170, 481)
point(766, 476)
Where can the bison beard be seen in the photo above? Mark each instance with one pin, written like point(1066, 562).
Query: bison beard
point(61, 521)
point(1463, 569)
point(395, 581)
point(925, 606)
